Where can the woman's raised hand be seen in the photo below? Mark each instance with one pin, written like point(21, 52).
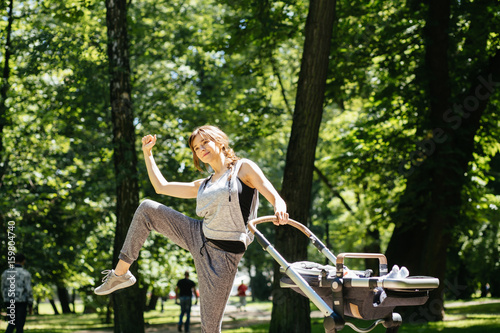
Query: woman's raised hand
point(148, 142)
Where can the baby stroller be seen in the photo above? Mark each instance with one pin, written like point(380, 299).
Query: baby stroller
point(339, 292)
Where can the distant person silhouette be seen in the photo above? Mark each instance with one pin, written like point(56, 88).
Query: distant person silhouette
point(17, 294)
point(184, 292)
point(242, 294)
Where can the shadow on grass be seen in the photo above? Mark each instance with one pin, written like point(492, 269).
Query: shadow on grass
point(65, 323)
point(481, 316)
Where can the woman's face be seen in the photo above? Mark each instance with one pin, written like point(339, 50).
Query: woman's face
point(205, 149)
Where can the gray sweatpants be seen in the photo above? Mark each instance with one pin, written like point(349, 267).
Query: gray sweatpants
point(216, 268)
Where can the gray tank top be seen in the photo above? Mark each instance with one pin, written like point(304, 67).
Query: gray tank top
point(218, 204)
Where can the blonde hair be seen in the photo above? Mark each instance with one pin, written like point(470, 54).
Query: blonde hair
point(214, 134)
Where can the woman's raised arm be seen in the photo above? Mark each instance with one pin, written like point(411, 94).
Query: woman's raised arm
point(187, 190)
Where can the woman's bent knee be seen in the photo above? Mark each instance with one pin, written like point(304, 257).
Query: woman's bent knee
point(147, 205)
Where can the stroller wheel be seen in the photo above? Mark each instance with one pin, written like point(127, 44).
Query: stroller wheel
point(394, 322)
point(333, 323)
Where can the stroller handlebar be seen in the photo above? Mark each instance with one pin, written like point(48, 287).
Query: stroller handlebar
point(339, 261)
point(379, 256)
point(271, 218)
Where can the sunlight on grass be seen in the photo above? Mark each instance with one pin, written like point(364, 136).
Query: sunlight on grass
point(263, 328)
point(47, 322)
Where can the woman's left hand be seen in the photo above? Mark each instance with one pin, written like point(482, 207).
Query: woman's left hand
point(282, 216)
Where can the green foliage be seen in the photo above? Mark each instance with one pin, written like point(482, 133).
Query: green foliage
point(374, 122)
point(57, 147)
point(234, 64)
point(366, 122)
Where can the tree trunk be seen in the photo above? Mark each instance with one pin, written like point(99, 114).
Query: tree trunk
point(291, 312)
point(63, 295)
point(153, 301)
point(54, 306)
point(4, 88)
point(417, 242)
point(430, 206)
point(128, 304)
point(73, 299)
point(372, 245)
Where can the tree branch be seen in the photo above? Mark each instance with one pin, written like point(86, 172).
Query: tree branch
point(335, 192)
point(283, 91)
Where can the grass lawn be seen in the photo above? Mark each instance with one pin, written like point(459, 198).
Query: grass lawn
point(476, 316)
point(47, 322)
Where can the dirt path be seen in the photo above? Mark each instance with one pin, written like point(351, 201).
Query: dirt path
point(470, 303)
point(233, 318)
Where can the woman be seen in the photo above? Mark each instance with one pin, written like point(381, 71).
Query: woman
point(226, 201)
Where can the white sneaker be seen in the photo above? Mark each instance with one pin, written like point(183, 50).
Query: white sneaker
point(113, 282)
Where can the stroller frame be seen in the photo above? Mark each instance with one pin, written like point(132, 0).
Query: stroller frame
point(348, 296)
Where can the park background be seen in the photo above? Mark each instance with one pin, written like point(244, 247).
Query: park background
point(377, 120)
